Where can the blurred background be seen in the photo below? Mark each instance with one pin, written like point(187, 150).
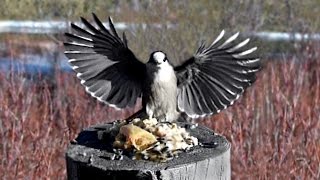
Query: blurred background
point(274, 127)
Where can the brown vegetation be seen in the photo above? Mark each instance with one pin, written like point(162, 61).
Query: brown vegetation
point(274, 128)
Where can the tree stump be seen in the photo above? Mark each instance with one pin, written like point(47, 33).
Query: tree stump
point(90, 157)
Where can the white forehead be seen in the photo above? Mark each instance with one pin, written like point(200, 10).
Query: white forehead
point(159, 56)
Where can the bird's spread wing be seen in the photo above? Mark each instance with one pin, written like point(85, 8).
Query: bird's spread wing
point(105, 65)
point(215, 76)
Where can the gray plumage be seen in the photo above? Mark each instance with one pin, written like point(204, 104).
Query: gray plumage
point(206, 83)
point(160, 98)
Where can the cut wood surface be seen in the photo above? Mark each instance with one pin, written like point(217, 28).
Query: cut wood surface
point(90, 157)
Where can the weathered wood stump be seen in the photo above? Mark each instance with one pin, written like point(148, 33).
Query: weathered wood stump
point(90, 157)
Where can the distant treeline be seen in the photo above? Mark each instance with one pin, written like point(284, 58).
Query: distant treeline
point(254, 15)
point(198, 20)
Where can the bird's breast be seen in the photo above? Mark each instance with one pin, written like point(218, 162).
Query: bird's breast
point(163, 94)
point(165, 74)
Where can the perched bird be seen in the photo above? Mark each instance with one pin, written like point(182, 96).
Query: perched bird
point(206, 83)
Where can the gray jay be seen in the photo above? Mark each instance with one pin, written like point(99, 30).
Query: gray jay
point(206, 83)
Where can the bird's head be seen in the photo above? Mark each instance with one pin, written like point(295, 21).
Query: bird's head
point(158, 58)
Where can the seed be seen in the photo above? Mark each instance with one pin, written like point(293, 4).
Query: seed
point(170, 155)
point(91, 158)
point(169, 145)
point(120, 157)
point(157, 148)
point(210, 145)
point(187, 149)
point(144, 152)
point(118, 151)
point(83, 154)
point(189, 141)
point(165, 149)
point(145, 157)
point(113, 157)
point(161, 139)
point(193, 126)
point(152, 146)
point(154, 157)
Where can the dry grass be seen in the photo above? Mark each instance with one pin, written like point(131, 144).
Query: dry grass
point(37, 121)
point(274, 129)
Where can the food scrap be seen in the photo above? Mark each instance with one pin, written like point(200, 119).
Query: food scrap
point(152, 140)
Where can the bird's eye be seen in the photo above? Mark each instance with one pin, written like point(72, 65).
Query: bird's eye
point(165, 59)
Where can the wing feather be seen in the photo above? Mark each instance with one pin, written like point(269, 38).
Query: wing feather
point(188, 98)
point(208, 96)
point(100, 24)
point(199, 106)
point(228, 41)
point(220, 36)
point(78, 39)
point(81, 32)
point(112, 28)
point(193, 99)
point(215, 76)
point(203, 102)
point(105, 65)
point(218, 98)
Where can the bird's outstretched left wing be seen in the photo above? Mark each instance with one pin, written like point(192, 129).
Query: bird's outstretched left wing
point(215, 76)
point(105, 65)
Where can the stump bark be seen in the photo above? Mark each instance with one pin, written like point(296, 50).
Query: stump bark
point(90, 157)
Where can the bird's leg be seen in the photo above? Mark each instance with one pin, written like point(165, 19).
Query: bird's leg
point(150, 115)
point(184, 118)
point(149, 111)
point(162, 118)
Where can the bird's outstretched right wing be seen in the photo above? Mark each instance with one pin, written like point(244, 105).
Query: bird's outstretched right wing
point(215, 76)
point(105, 65)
